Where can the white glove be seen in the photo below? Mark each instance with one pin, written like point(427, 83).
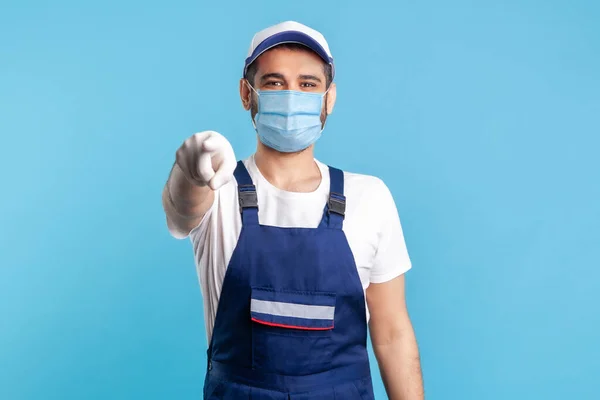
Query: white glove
point(207, 159)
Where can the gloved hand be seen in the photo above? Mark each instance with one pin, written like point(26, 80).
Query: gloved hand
point(207, 159)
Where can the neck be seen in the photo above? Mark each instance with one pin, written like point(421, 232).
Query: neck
point(295, 172)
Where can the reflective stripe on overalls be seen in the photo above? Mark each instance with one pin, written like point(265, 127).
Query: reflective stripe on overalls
point(291, 321)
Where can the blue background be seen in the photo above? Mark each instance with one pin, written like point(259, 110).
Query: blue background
point(482, 118)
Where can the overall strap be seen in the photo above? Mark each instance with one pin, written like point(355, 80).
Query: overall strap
point(247, 197)
point(335, 209)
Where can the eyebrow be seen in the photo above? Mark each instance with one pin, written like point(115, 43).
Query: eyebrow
point(310, 78)
point(272, 75)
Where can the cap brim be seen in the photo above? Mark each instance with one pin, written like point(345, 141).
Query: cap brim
point(288, 37)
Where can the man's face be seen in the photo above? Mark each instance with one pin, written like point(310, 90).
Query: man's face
point(286, 69)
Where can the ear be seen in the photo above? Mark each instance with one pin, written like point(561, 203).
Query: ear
point(331, 96)
point(245, 94)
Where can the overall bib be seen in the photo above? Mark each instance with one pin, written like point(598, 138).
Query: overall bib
point(291, 320)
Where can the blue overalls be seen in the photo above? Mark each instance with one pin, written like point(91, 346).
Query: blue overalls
point(291, 321)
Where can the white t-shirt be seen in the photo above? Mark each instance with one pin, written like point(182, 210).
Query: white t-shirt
point(371, 225)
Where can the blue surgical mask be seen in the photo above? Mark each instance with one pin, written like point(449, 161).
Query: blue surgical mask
point(288, 120)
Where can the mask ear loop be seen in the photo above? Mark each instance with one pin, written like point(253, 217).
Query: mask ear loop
point(258, 95)
point(251, 87)
point(324, 97)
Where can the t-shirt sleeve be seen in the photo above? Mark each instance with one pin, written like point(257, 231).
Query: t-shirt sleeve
point(204, 224)
point(391, 257)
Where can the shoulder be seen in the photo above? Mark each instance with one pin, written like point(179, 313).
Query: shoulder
point(365, 191)
point(357, 185)
point(354, 181)
point(369, 192)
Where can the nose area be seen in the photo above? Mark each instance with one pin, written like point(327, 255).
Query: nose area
point(284, 104)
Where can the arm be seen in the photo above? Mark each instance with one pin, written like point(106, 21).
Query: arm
point(394, 340)
point(204, 163)
point(184, 202)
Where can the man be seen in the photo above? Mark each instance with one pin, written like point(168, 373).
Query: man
point(289, 250)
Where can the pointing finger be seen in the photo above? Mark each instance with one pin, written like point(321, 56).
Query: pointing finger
point(205, 169)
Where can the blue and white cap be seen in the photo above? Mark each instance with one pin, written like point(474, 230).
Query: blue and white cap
point(288, 32)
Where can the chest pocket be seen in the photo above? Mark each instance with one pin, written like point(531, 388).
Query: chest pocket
point(292, 332)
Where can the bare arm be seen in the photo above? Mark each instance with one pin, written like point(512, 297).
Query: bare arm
point(184, 202)
point(394, 341)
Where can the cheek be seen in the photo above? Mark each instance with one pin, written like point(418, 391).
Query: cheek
point(253, 105)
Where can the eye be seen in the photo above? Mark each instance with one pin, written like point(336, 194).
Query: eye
point(308, 85)
point(273, 83)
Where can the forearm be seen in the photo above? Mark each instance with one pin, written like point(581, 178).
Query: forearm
point(184, 202)
point(399, 364)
